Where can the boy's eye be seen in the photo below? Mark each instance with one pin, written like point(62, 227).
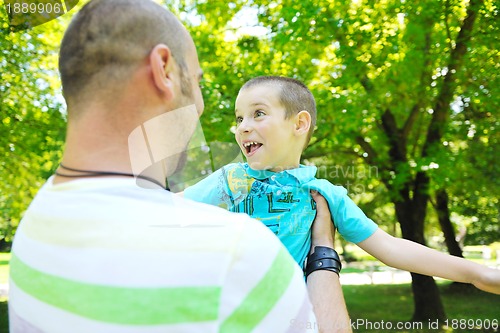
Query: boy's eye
point(239, 120)
point(259, 113)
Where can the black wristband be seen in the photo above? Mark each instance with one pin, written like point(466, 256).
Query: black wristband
point(323, 258)
point(321, 252)
point(323, 264)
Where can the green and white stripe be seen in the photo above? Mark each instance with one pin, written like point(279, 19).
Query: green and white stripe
point(120, 275)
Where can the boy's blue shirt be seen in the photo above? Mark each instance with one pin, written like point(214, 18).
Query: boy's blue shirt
point(282, 201)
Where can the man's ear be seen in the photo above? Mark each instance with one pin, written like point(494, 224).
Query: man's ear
point(162, 64)
point(302, 122)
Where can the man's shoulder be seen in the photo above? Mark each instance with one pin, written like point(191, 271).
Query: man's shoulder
point(126, 205)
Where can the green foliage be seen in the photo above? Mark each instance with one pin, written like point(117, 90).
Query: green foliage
point(31, 121)
point(370, 64)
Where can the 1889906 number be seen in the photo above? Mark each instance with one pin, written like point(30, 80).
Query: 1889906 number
point(471, 324)
point(34, 8)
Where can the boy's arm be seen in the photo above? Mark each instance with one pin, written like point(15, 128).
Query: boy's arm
point(207, 190)
point(410, 256)
point(324, 286)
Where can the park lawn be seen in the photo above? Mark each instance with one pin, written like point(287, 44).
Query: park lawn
point(4, 277)
point(368, 305)
point(4, 320)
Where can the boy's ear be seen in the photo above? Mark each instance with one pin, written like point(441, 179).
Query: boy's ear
point(162, 65)
point(302, 122)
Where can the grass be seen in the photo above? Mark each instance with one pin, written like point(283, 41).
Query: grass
point(369, 305)
point(4, 277)
point(4, 320)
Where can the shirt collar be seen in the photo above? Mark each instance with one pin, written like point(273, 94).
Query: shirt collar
point(303, 174)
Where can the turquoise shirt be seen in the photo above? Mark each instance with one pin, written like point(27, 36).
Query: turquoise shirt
point(282, 201)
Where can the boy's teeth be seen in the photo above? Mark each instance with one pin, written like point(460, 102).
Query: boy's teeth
point(251, 146)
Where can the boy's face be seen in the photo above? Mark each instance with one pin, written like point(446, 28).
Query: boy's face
point(265, 137)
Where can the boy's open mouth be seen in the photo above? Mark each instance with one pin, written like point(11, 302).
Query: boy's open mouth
point(251, 147)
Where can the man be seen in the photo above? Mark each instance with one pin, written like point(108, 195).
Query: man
point(95, 252)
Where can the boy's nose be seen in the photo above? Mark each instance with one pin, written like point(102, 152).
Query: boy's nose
point(244, 126)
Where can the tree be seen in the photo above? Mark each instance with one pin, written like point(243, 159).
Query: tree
point(387, 76)
point(31, 121)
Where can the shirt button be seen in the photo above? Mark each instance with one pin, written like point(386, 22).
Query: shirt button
point(273, 177)
point(278, 192)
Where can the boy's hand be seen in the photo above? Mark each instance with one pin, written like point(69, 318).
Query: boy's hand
point(323, 231)
point(489, 280)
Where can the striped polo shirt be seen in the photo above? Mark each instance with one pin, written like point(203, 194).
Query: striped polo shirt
point(104, 255)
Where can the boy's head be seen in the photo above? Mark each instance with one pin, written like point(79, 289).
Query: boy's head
point(293, 95)
point(275, 119)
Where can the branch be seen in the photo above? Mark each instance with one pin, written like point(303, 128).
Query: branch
point(425, 79)
point(318, 140)
point(372, 155)
point(363, 78)
point(410, 121)
point(441, 108)
point(337, 152)
point(396, 141)
point(366, 83)
point(446, 13)
point(420, 128)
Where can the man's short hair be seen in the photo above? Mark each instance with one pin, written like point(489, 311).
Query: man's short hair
point(294, 96)
point(108, 39)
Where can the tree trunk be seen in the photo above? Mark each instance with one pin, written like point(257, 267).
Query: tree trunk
point(449, 236)
point(426, 298)
point(428, 305)
point(445, 223)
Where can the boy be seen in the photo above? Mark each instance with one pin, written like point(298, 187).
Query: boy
point(275, 119)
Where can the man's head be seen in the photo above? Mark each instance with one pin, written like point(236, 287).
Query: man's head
point(275, 120)
point(130, 75)
point(109, 40)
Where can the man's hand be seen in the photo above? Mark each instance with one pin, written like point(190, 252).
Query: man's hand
point(323, 231)
point(324, 287)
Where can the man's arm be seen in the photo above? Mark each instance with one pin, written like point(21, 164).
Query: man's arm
point(413, 257)
point(324, 286)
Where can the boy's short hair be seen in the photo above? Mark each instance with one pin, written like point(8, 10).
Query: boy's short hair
point(294, 96)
